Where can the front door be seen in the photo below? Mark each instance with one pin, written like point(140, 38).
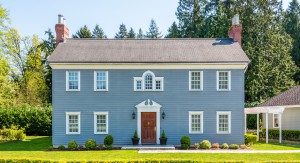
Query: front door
point(148, 127)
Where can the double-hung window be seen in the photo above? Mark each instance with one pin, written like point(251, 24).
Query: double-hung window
point(195, 80)
point(100, 122)
point(100, 81)
point(223, 80)
point(275, 121)
point(223, 122)
point(73, 81)
point(196, 122)
point(72, 122)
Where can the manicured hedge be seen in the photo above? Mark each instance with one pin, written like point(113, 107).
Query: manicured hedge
point(117, 161)
point(250, 139)
point(292, 135)
point(35, 121)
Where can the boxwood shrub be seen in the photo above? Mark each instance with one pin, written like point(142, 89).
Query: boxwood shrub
point(72, 145)
point(185, 142)
point(250, 139)
point(205, 144)
point(90, 144)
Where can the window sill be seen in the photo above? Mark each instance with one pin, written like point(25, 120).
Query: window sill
point(194, 133)
point(100, 90)
point(71, 90)
point(223, 90)
point(99, 133)
point(72, 133)
point(196, 90)
point(148, 90)
point(225, 133)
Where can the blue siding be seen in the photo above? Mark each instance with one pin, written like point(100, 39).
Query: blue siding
point(176, 101)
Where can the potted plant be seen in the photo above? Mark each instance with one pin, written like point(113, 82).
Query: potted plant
point(135, 139)
point(163, 139)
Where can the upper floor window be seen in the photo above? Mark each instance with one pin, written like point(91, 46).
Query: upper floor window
point(73, 81)
point(72, 122)
point(223, 122)
point(148, 82)
point(223, 80)
point(100, 81)
point(195, 80)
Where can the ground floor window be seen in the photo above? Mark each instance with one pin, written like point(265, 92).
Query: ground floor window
point(275, 121)
point(196, 122)
point(223, 122)
point(72, 122)
point(101, 122)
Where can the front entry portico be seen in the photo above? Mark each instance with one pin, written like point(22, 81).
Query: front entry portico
point(148, 122)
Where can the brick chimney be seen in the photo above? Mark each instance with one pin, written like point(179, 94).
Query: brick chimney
point(236, 29)
point(62, 31)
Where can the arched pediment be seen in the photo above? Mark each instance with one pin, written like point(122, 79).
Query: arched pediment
point(147, 104)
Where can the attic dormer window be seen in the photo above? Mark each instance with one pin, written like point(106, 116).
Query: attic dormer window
point(148, 82)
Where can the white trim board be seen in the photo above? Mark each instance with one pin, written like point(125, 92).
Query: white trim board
point(149, 66)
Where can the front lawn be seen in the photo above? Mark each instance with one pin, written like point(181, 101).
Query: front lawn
point(275, 146)
point(35, 147)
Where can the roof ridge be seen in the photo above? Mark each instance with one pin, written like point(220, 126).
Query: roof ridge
point(116, 39)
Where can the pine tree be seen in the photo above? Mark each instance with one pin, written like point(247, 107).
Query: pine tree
point(292, 27)
point(98, 32)
point(268, 47)
point(83, 32)
point(173, 31)
point(131, 33)
point(140, 35)
point(191, 14)
point(153, 30)
point(122, 32)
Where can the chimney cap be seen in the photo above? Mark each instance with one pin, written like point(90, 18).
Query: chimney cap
point(61, 19)
point(235, 19)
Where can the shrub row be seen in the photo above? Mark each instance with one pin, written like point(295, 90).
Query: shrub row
point(90, 144)
point(34, 121)
point(292, 135)
point(12, 134)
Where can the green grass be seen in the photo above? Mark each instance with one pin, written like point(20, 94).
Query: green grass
point(35, 147)
point(275, 146)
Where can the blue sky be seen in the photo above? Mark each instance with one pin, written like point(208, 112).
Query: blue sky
point(35, 16)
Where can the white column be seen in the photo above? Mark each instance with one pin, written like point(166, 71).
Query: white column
point(267, 128)
point(245, 124)
point(280, 126)
point(257, 125)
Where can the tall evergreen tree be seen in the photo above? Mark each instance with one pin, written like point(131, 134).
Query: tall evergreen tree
point(267, 45)
point(173, 31)
point(292, 27)
point(153, 30)
point(131, 33)
point(83, 32)
point(122, 32)
point(98, 32)
point(191, 14)
point(140, 35)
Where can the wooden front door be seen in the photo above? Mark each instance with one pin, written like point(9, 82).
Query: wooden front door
point(148, 127)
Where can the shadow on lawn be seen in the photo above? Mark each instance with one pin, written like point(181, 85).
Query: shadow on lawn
point(40, 143)
point(276, 146)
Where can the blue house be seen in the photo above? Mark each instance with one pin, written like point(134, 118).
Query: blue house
point(192, 87)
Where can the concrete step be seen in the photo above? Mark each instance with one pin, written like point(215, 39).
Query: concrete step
point(148, 147)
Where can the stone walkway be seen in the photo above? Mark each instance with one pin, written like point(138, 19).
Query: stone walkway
point(219, 151)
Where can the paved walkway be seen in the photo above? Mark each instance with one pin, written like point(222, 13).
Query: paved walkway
point(219, 151)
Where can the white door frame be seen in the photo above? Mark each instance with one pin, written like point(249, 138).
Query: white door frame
point(148, 106)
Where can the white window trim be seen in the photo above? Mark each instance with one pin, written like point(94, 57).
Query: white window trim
point(67, 81)
point(95, 81)
point(67, 123)
point(229, 121)
point(229, 81)
point(190, 121)
point(274, 120)
point(154, 79)
point(95, 122)
point(201, 81)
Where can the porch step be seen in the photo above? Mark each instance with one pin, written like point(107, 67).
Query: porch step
point(148, 147)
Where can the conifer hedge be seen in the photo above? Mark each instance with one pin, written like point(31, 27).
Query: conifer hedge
point(34, 120)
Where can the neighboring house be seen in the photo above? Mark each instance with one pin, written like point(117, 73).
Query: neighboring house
point(192, 87)
point(290, 101)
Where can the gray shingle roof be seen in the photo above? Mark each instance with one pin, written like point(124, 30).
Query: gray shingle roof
point(288, 97)
point(148, 51)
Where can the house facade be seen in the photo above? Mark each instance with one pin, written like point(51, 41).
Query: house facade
point(192, 87)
